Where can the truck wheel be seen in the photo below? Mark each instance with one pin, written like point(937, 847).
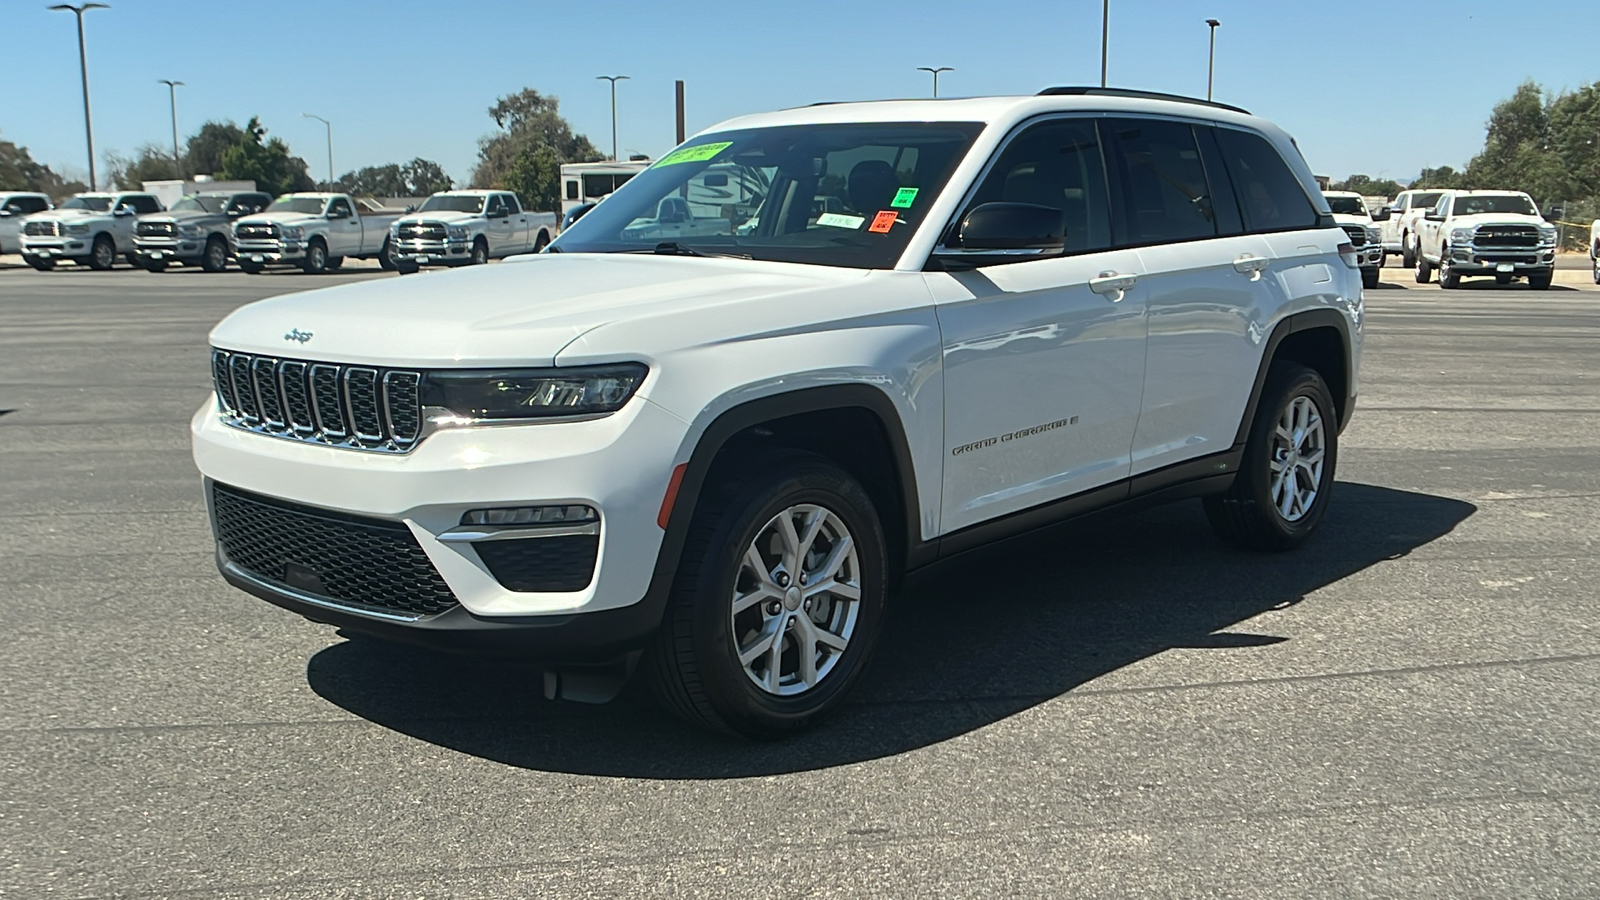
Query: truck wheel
point(103, 255)
point(1424, 271)
point(154, 265)
point(541, 242)
point(386, 257)
point(480, 252)
point(1596, 266)
point(1369, 278)
point(779, 597)
point(334, 262)
point(1449, 278)
point(250, 268)
point(1540, 280)
point(316, 261)
point(1281, 489)
point(215, 258)
point(1408, 256)
point(1503, 277)
point(43, 264)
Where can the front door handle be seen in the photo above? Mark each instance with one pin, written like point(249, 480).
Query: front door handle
point(1112, 285)
point(1250, 264)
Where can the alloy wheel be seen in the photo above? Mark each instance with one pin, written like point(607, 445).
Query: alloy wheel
point(1299, 445)
point(796, 600)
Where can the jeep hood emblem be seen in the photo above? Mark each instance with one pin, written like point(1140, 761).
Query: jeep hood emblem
point(298, 335)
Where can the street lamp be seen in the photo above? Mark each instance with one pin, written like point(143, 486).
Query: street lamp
point(83, 66)
point(613, 79)
point(330, 145)
point(172, 94)
point(1105, 35)
point(935, 74)
point(1211, 64)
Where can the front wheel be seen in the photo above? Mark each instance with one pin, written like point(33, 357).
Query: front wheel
point(386, 260)
point(250, 268)
point(1369, 278)
point(1540, 280)
point(1424, 271)
point(780, 594)
point(216, 255)
point(480, 252)
point(1408, 257)
point(316, 261)
point(103, 255)
point(1596, 266)
point(155, 265)
point(1281, 489)
point(1449, 278)
point(1503, 277)
point(41, 263)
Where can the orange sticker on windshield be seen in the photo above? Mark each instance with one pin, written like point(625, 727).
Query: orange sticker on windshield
point(883, 221)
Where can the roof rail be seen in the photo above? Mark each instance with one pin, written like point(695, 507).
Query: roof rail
point(1070, 91)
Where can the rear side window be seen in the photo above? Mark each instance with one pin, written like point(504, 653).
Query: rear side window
point(1270, 196)
point(1056, 164)
point(1165, 196)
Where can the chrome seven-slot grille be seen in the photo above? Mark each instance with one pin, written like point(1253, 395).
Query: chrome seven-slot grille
point(42, 228)
point(1502, 236)
point(264, 232)
point(149, 229)
point(1358, 235)
point(421, 231)
point(354, 407)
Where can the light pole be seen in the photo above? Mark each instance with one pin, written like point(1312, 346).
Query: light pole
point(330, 145)
point(935, 74)
point(172, 94)
point(1211, 63)
point(83, 66)
point(613, 79)
point(1105, 36)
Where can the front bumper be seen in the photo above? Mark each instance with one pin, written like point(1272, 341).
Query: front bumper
point(1468, 259)
point(159, 249)
point(269, 252)
point(425, 253)
point(68, 247)
point(1370, 256)
point(619, 465)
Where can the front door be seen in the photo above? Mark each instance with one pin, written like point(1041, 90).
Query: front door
point(1043, 359)
point(500, 227)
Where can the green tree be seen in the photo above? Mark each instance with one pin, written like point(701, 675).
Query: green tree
point(203, 153)
point(1442, 178)
point(528, 120)
point(535, 176)
point(19, 172)
point(1363, 184)
point(417, 178)
point(267, 163)
point(149, 163)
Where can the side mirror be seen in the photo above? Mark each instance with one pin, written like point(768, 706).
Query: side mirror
point(1381, 214)
point(6, 213)
point(122, 211)
point(498, 214)
point(1013, 226)
point(1434, 216)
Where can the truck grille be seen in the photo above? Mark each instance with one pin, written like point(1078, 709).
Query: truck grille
point(372, 564)
point(1504, 236)
point(354, 407)
point(157, 229)
point(1358, 235)
point(50, 229)
point(422, 231)
point(265, 232)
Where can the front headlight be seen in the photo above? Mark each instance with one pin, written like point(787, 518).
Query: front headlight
point(457, 232)
point(1373, 233)
point(1461, 235)
point(78, 229)
point(292, 232)
point(533, 393)
point(1547, 233)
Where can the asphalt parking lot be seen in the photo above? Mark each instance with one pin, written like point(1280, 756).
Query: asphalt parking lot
point(1406, 707)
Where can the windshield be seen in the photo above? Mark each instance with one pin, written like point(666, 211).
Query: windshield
point(200, 204)
point(1427, 201)
point(1348, 206)
point(452, 203)
point(311, 206)
point(98, 204)
point(839, 195)
point(1494, 203)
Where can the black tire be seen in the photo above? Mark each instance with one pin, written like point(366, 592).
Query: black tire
point(131, 259)
point(40, 263)
point(541, 242)
point(316, 261)
point(480, 253)
point(215, 258)
point(251, 268)
point(334, 262)
point(154, 265)
point(1408, 256)
point(693, 666)
point(1369, 278)
point(102, 253)
point(1246, 516)
point(1423, 271)
point(1595, 265)
point(1449, 278)
point(406, 268)
point(1503, 277)
point(1540, 280)
point(386, 257)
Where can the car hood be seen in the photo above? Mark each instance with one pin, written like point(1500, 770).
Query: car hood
point(1347, 219)
point(280, 218)
point(521, 312)
point(448, 217)
point(68, 215)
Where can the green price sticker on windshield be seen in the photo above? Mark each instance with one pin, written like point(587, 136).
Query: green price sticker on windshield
point(698, 153)
point(903, 198)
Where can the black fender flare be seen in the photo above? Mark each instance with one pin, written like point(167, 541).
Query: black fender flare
point(1303, 321)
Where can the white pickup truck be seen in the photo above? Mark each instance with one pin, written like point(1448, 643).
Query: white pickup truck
point(1398, 223)
point(1498, 233)
point(14, 207)
point(315, 232)
point(1350, 211)
point(1594, 248)
point(90, 229)
point(455, 228)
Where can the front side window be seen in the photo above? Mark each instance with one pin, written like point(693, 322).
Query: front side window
point(1270, 196)
point(340, 207)
point(1478, 204)
point(1165, 195)
point(497, 205)
point(840, 195)
point(1057, 164)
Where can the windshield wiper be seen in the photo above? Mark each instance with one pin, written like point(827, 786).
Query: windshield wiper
point(674, 248)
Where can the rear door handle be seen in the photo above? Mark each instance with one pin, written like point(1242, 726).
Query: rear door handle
point(1112, 285)
point(1250, 264)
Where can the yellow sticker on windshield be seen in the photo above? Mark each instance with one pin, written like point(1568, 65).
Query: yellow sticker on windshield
point(697, 153)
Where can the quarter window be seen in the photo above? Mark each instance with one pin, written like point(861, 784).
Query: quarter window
point(1057, 164)
point(1165, 196)
point(1270, 195)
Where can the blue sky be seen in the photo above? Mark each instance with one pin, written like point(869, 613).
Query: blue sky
point(400, 79)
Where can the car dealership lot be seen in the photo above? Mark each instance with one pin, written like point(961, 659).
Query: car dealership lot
point(1404, 707)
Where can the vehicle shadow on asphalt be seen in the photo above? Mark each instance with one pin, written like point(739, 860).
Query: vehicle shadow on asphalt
point(975, 640)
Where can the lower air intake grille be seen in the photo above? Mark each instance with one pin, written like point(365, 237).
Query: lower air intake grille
point(541, 564)
point(365, 563)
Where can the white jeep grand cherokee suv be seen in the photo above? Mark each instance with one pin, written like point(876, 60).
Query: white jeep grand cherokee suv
point(893, 332)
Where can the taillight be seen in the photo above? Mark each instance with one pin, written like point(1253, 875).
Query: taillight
point(1347, 252)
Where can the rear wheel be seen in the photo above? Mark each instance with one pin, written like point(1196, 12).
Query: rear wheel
point(1540, 280)
point(215, 259)
point(1423, 271)
point(316, 261)
point(41, 263)
point(542, 241)
point(1282, 487)
point(103, 254)
point(779, 597)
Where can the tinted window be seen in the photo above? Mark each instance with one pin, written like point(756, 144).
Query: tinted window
point(497, 205)
point(572, 190)
point(339, 207)
point(603, 183)
point(1478, 204)
point(26, 205)
point(513, 205)
point(1425, 200)
point(1057, 164)
point(246, 204)
point(1269, 194)
point(1164, 192)
point(144, 203)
